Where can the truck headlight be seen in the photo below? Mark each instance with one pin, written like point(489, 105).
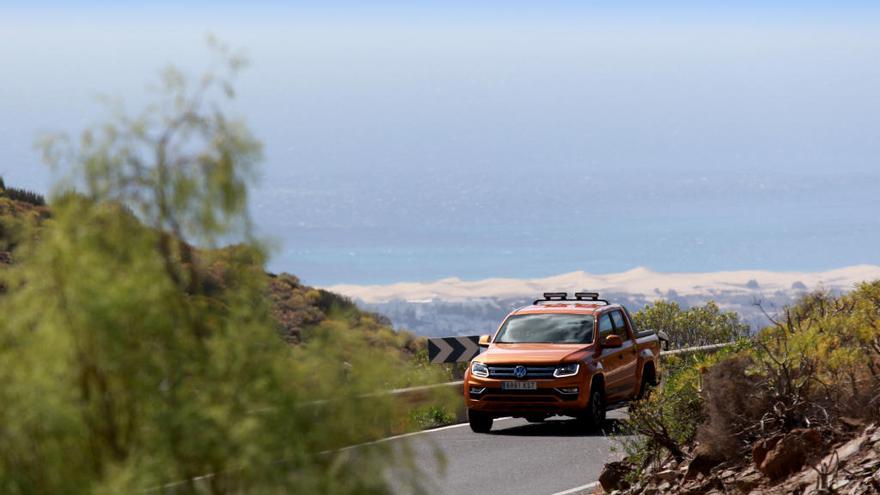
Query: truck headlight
point(479, 369)
point(566, 370)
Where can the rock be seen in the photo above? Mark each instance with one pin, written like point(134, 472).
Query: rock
point(853, 423)
point(875, 437)
point(850, 448)
point(761, 447)
point(613, 474)
point(664, 487)
point(747, 482)
point(669, 475)
point(790, 453)
point(692, 488)
point(701, 464)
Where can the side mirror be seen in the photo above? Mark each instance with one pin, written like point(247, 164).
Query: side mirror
point(484, 340)
point(612, 341)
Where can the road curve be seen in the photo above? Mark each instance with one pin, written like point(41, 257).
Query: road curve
point(551, 458)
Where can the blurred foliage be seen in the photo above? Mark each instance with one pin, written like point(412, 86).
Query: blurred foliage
point(696, 326)
point(17, 220)
point(130, 359)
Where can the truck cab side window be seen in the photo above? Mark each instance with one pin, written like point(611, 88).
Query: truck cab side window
point(619, 325)
point(632, 322)
point(605, 326)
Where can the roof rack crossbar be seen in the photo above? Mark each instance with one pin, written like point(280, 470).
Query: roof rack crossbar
point(549, 296)
point(578, 296)
point(589, 296)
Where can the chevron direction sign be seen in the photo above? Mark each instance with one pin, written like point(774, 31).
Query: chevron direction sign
point(453, 349)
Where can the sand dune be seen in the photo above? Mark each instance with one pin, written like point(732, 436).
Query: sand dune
point(641, 281)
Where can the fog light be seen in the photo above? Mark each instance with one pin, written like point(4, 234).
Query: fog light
point(477, 390)
point(567, 390)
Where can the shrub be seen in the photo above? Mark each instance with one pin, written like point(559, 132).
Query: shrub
point(699, 325)
point(431, 417)
point(733, 402)
point(818, 362)
point(667, 421)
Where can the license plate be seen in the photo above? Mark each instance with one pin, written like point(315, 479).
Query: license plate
point(519, 385)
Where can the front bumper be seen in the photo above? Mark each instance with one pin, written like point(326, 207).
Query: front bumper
point(547, 398)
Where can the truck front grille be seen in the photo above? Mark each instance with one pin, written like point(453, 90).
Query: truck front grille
point(506, 371)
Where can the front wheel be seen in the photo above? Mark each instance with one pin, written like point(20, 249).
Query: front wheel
point(594, 416)
point(480, 422)
point(649, 381)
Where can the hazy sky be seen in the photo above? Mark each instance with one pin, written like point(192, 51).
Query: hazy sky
point(398, 132)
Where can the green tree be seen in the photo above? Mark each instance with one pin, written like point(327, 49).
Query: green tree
point(699, 325)
point(123, 370)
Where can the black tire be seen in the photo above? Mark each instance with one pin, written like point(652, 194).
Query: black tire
point(480, 422)
point(536, 418)
point(649, 381)
point(594, 416)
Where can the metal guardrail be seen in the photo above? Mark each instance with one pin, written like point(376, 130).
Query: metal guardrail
point(425, 388)
point(421, 388)
point(687, 350)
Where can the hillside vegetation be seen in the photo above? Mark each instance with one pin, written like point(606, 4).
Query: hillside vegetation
point(789, 410)
point(296, 308)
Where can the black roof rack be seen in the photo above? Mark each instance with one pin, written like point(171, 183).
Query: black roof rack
point(578, 296)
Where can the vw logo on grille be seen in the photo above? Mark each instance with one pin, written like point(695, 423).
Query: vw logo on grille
point(520, 371)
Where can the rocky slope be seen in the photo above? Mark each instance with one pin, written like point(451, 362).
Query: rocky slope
point(802, 461)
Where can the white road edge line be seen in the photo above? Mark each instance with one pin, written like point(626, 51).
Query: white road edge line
point(578, 488)
point(411, 434)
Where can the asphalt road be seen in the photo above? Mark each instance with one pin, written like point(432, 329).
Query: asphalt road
point(551, 458)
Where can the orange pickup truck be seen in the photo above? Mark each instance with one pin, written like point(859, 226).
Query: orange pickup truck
point(571, 357)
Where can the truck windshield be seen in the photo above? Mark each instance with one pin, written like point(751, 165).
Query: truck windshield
point(547, 328)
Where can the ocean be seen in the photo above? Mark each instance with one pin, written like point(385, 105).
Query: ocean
point(363, 227)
